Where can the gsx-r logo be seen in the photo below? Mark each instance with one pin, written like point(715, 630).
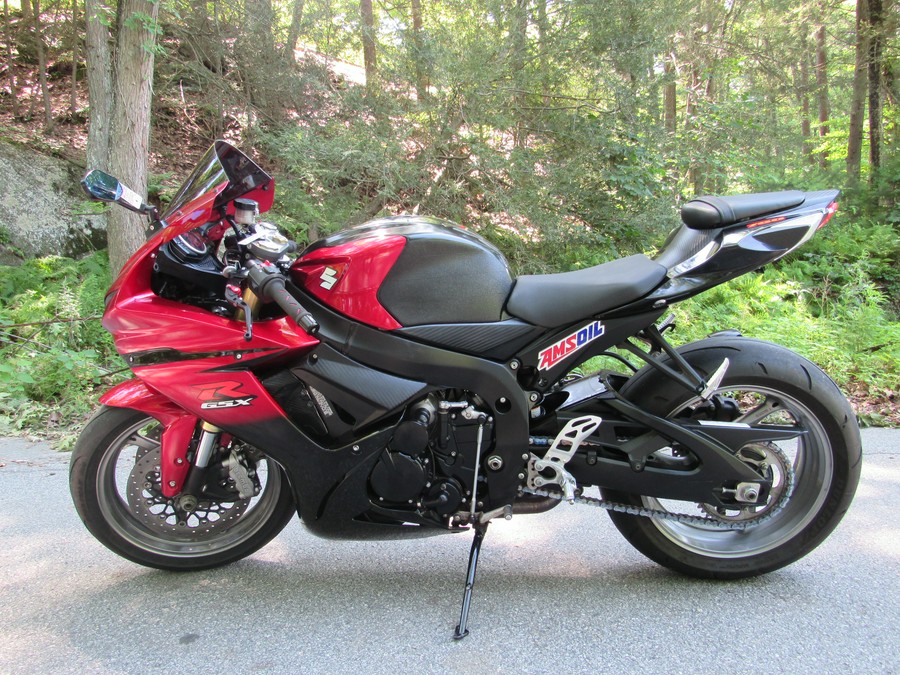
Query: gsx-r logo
point(218, 395)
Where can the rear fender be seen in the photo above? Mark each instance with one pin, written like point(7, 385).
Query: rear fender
point(178, 430)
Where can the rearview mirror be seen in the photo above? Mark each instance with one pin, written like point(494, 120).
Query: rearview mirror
point(106, 188)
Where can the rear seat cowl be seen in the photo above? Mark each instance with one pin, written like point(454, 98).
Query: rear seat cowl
point(709, 212)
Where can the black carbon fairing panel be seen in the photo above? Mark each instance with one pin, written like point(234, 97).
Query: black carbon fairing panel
point(499, 339)
point(684, 243)
point(367, 394)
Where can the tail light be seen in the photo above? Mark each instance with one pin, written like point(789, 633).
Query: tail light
point(829, 212)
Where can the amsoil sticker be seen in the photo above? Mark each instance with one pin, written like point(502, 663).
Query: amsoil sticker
point(555, 353)
point(218, 395)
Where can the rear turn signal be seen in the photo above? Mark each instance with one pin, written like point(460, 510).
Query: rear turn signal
point(829, 212)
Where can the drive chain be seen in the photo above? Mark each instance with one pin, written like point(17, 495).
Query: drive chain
point(685, 518)
point(646, 512)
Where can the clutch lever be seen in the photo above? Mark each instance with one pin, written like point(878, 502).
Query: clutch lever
point(233, 296)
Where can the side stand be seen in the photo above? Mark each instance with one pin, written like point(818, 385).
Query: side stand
point(461, 629)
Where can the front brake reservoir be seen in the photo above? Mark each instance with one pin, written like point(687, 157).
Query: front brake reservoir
point(245, 211)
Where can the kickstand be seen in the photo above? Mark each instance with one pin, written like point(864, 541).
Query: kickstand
point(461, 629)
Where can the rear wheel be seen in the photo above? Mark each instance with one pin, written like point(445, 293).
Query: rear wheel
point(814, 475)
point(115, 482)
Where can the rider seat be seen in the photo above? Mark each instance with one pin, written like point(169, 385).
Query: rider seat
point(552, 300)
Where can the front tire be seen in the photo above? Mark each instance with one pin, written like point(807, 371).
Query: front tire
point(113, 477)
point(769, 384)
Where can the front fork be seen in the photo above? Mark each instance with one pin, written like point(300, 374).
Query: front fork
point(177, 474)
point(206, 446)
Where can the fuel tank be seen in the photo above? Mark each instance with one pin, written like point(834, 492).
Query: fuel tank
point(407, 271)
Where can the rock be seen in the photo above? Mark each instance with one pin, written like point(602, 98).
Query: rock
point(42, 205)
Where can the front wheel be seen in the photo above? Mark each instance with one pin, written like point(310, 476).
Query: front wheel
point(764, 384)
point(115, 482)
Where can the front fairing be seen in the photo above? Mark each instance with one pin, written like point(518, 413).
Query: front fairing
point(222, 175)
point(183, 354)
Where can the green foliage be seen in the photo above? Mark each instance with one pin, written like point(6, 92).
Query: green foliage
point(857, 249)
point(541, 125)
point(53, 350)
point(89, 207)
point(159, 186)
point(849, 336)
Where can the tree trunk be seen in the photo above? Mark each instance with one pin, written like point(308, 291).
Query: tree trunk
point(547, 77)
point(519, 46)
point(419, 51)
point(294, 30)
point(805, 124)
point(219, 50)
point(99, 78)
point(31, 10)
point(858, 102)
point(130, 137)
point(259, 59)
point(822, 91)
point(76, 39)
point(669, 95)
point(10, 64)
point(694, 173)
point(876, 21)
point(891, 84)
point(367, 17)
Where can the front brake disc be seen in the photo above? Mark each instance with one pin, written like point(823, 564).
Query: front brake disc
point(158, 513)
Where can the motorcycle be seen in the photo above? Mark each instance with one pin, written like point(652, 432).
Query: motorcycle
point(394, 380)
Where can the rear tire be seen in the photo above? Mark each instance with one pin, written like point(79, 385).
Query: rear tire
point(111, 476)
point(771, 385)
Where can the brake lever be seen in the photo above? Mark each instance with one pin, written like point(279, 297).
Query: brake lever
point(233, 296)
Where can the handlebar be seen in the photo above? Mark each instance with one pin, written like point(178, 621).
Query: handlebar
point(268, 283)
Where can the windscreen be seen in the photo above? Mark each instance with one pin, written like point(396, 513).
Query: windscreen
point(223, 169)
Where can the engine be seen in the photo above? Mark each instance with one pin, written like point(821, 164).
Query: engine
point(430, 463)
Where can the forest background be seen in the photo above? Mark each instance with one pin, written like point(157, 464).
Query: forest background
point(566, 132)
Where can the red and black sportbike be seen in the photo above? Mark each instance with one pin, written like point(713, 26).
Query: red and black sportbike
point(395, 380)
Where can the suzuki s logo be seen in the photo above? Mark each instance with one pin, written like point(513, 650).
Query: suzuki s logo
point(329, 278)
point(218, 395)
point(569, 344)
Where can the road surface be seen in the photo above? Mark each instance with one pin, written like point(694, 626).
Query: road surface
point(560, 592)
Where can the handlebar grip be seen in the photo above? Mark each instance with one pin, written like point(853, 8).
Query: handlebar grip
point(270, 286)
point(282, 297)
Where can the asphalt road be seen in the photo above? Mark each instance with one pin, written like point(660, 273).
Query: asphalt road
point(560, 592)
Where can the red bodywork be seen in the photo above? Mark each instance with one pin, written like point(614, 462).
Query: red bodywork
point(177, 349)
point(347, 277)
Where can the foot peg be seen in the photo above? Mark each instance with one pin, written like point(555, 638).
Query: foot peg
point(572, 435)
point(564, 447)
